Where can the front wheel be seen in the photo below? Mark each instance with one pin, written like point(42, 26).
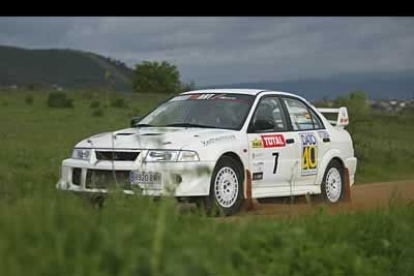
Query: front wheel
point(332, 187)
point(226, 188)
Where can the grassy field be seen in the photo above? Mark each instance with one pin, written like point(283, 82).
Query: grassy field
point(44, 232)
point(52, 234)
point(384, 147)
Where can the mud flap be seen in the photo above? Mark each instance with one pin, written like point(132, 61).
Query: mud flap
point(249, 203)
point(347, 195)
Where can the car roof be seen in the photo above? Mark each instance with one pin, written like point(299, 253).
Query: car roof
point(253, 92)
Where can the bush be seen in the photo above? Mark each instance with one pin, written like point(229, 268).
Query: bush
point(59, 100)
point(29, 100)
point(95, 104)
point(98, 113)
point(119, 103)
point(90, 94)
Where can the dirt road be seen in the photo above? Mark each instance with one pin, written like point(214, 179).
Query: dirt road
point(364, 197)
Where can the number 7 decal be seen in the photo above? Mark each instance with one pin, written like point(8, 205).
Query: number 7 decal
point(276, 154)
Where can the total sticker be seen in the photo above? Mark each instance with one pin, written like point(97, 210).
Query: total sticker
point(273, 140)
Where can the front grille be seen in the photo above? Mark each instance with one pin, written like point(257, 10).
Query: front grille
point(105, 179)
point(117, 155)
point(76, 176)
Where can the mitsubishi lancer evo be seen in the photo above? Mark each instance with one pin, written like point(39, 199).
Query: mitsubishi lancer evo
point(219, 148)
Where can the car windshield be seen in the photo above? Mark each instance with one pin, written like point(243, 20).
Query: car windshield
point(210, 110)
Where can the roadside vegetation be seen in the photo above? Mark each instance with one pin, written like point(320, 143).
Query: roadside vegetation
point(49, 233)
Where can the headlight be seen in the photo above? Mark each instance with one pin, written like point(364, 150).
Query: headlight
point(171, 155)
point(83, 154)
point(188, 156)
point(161, 155)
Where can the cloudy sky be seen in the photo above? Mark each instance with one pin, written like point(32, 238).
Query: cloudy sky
point(220, 50)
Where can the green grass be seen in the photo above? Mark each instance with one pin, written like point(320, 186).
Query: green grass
point(45, 232)
point(52, 234)
point(384, 147)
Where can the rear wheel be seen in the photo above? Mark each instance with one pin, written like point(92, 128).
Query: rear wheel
point(332, 187)
point(226, 189)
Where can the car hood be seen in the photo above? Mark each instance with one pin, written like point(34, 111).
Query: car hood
point(152, 138)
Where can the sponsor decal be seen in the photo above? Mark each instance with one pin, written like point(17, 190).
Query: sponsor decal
point(180, 98)
point(211, 141)
point(269, 141)
point(207, 96)
point(257, 167)
point(273, 140)
point(257, 143)
point(257, 176)
point(309, 154)
point(201, 96)
point(257, 155)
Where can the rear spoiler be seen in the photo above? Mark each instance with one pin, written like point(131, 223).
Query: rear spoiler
point(342, 119)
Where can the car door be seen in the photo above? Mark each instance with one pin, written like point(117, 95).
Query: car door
point(309, 131)
point(274, 151)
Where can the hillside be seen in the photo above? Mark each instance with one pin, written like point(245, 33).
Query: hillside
point(390, 85)
point(66, 68)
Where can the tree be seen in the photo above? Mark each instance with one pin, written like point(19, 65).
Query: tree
point(357, 106)
point(156, 77)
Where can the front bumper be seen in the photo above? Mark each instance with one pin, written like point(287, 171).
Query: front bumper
point(180, 179)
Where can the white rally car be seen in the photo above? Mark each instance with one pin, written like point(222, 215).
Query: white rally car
point(220, 147)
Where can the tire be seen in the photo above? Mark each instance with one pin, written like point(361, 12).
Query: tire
point(226, 189)
point(333, 185)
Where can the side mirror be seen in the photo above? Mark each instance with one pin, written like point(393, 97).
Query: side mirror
point(262, 125)
point(134, 121)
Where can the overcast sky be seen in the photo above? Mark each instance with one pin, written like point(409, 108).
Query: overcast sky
point(220, 50)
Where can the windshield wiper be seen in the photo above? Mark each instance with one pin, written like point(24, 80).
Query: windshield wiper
point(189, 125)
point(143, 125)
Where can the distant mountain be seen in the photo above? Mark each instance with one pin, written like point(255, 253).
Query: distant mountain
point(377, 85)
point(79, 69)
point(66, 68)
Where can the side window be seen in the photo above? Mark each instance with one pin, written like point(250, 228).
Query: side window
point(301, 116)
point(317, 122)
point(270, 109)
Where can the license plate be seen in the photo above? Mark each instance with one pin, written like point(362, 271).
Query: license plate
point(146, 178)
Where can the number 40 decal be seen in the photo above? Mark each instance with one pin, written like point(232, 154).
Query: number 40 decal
point(276, 155)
